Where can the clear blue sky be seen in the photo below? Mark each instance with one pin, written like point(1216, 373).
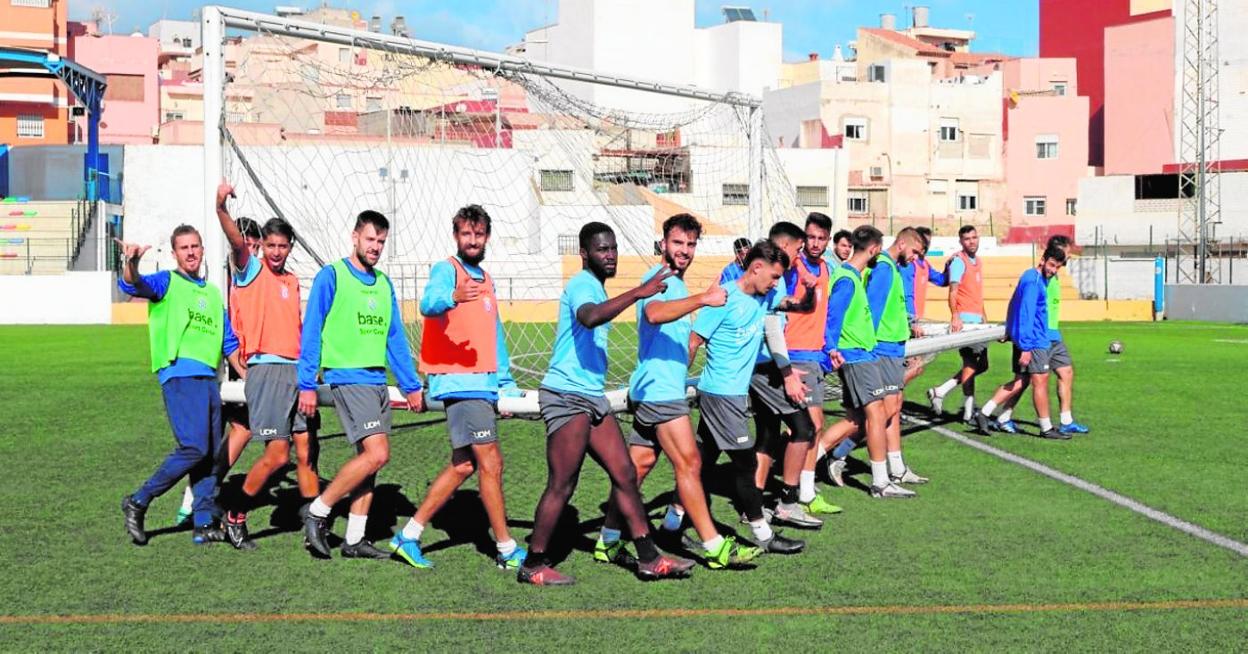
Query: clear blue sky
point(1009, 26)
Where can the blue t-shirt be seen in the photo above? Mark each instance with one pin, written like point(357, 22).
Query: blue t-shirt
point(579, 361)
point(153, 288)
point(437, 300)
point(788, 282)
point(1027, 319)
point(733, 334)
point(956, 270)
point(732, 272)
point(662, 350)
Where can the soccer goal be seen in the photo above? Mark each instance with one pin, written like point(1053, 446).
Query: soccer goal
point(317, 120)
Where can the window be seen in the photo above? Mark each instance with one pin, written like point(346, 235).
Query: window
point(342, 101)
point(1070, 206)
point(1161, 187)
point(875, 73)
point(186, 43)
point(736, 194)
point(1046, 147)
point(124, 88)
point(858, 202)
point(968, 202)
point(372, 104)
point(937, 186)
point(1059, 88)
point(856, 129)
point(557, 180)
point(812, 196)
point(29, 127)
point(38, 4)
point(235, 117)
point(344, 55)
point(1034, 206)
point(949, 132)
point(171, 116)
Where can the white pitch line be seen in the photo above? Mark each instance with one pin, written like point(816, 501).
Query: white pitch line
point(1232, 341)
point(1087, 486)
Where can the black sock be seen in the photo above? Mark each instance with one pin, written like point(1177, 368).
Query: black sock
point(646, 551)
point(536, 560)
point(788, 494)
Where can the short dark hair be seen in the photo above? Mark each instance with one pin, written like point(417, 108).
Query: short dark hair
point(182, 230)
point(742, 242)
point(472, 213)
point(910, 232)
point(925, 233)
point(248, 227)
point(844, 233)
point(965, 229)
point(768, 252)
point(865, 236)
point(1059, 240)
point(374, 218)
point(786, 229)
point(685, 222)
point(280, 227)
point(822, 221)
point(592, 229)
point(1056, 253)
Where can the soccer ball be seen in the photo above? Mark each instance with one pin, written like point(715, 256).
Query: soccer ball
point(1115, 347)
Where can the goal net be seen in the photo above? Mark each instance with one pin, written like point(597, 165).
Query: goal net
point(322, 121)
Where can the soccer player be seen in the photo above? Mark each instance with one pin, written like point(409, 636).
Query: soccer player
point(886, 299)
point(1059, 360)
point(917, 274)
point(733, 334)
point(353, 329)
point(657, 395)
point(578, 416)
point(966, 306)
point(850, 344)
point(734, 270)
point(265, 309)
point(1027, 326)
point(842, 248)
point(463, 354)
point(187, 328)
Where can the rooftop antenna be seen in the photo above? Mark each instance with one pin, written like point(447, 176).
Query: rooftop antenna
point(102, 16)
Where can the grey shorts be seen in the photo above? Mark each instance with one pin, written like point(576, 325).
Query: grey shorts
point(363, 409)
point(767, 390)
point(471, 422)
point(893, 373)
point(812, 376)
point(1059, 356)
point(647, 416)
point(558, 408)
point(975, 356)
point(725, 420)
point(1039, 364)
point(272, 392)
point(861, 384)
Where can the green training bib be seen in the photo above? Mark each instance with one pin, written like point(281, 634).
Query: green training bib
point(355, 331)
point(857, 330)
point(187, 323)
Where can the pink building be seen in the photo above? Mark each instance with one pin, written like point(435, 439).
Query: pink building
point(132, 101)
point(1139, 97)
point(1046, 146)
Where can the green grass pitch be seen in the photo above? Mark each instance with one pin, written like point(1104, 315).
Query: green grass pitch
point(84, 424)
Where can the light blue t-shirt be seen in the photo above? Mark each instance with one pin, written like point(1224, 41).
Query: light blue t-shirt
point(956, 269)
point(662, 350)
point(579, 361)
point(733, 334)
point(242, 278)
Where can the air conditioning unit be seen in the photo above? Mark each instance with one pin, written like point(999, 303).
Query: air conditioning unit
point(877, 172)
point(77, 111)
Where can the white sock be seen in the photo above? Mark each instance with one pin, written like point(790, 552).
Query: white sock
point(319, 508)
point(355, 528)
point(188, 500)
point(1046, 424)
point(944, 388)
point(506, 547)
point(608, 536)
point(806, 486)
point(1006, 415)
point(713, 544)
point(968, 407)
point(762, 530)
point(988, 408)
point(896, 465)
point(412, 530)
point(820, 451)
point(1067, 418)
point(879, 474)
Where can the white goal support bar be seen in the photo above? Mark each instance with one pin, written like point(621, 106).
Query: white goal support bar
point(525, 404)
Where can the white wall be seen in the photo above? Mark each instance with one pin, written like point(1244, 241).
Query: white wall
point(72, 298)
point(1108, 205)
point(1232, 77)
